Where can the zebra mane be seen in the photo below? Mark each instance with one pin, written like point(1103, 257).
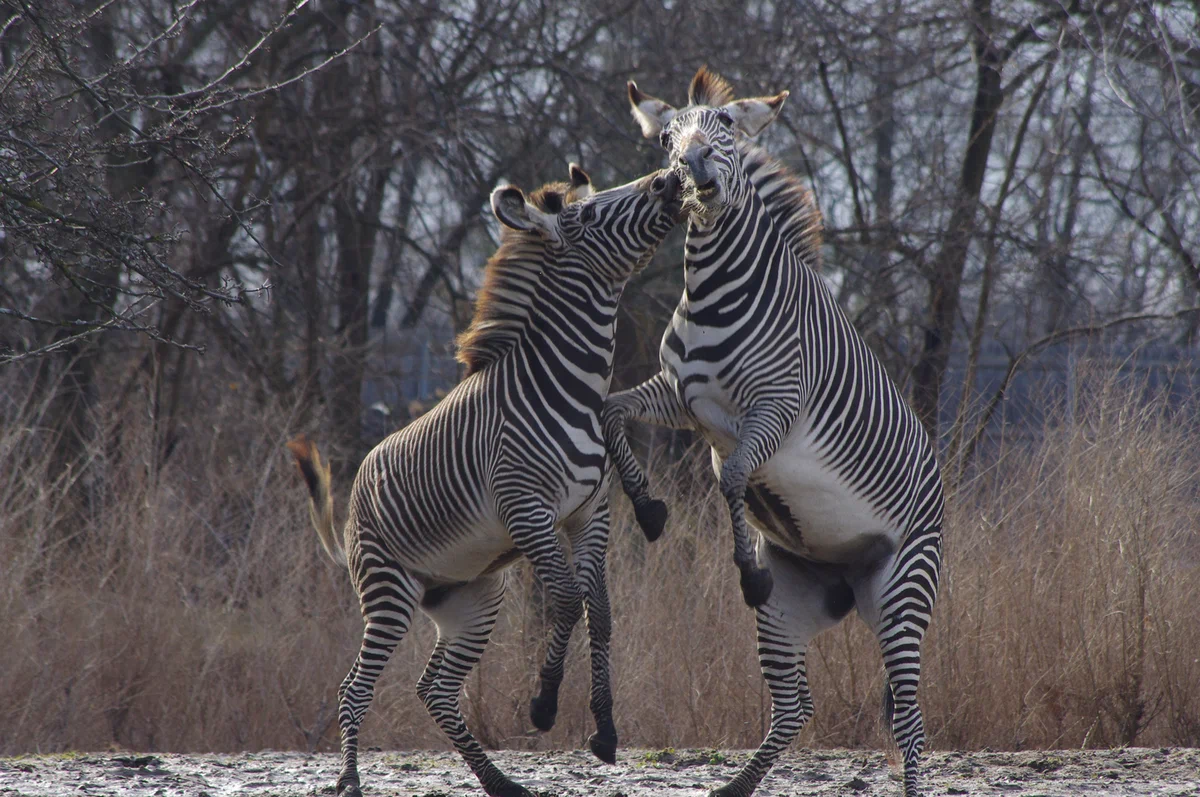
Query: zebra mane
point(510, 282)
point(787, 199)
point(709, 88)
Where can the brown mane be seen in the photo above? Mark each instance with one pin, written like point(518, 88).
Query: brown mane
point(510, 282)
point(709, 88)
point(788, 200)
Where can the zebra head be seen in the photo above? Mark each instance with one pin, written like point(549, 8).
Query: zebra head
point(700, 139)
point(609, 233)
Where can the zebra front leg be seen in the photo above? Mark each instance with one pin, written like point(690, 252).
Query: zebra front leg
point(531, 526)
point(388, 596)
point(653, 401)
point(590, 550)
point(465, 617)
point(759, 435)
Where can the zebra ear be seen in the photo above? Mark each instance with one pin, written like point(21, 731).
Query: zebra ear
point(651, 113)
point(512, 209)
point(753, 115)
point(581, 183)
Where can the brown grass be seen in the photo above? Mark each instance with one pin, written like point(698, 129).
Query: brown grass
point(192, 610)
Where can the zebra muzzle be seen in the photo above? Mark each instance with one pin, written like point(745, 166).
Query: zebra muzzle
point(666, 186)
point(696, 161)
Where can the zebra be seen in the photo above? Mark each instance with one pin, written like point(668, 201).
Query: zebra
point(806, 429)
point(511, 456)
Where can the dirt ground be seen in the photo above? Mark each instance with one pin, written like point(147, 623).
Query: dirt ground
point(1139, 771)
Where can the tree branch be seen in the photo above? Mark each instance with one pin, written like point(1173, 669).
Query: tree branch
point(1046, 341)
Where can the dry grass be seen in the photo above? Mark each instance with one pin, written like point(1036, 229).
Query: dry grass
point(193, 611)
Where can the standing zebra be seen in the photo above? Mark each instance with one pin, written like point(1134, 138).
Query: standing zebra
point(515, 452)
point(806, 429)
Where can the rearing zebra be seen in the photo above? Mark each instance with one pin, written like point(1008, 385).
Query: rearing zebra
point(806, 429)
point(439, 509)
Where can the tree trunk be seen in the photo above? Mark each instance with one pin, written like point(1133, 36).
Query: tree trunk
point(356, 235)
point(1058, 280)
point(945, 280)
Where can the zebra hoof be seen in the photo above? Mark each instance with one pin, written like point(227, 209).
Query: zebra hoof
point(725, 791)
point(506, 788)
point(543, 710)
point(603, 747)
point(757, 583)
point(652, 517)
point(348, 789)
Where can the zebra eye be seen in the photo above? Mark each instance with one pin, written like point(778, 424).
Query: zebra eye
point(725, 118)
point(588, 214)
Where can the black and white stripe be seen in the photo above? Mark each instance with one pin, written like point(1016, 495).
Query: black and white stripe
point(515, 452)
point(808, 432)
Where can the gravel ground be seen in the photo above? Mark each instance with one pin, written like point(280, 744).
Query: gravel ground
point(1138, 771)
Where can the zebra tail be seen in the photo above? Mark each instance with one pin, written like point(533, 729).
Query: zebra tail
point(889, 706)
point(320, 505)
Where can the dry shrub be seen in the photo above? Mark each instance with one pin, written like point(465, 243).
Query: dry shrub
point(194, 611)
point(185, 610)
point(1068, 614)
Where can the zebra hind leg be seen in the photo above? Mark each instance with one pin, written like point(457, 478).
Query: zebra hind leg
point(465, 616)
point(531, 524)
point(543, 708)
point(432, 668)
point(807, 599)
point(568, 608)
point(903, 596)
point(388, 596)
point(591, 549)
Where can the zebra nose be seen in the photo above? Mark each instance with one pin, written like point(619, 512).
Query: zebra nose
point(695, 160)
point(666, 186)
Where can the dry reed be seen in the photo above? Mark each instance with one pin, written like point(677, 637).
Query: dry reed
point(191, 609)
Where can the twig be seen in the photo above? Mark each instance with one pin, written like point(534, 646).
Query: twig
point(1038, 345)
point(121, 322)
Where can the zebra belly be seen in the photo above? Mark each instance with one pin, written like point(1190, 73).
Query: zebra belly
point(484, 545)
point(488, 547)
point(798, 503)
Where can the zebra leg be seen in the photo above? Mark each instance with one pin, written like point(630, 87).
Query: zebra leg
point(897, 601)
point(653, 401)
point(590, 549)
point(806, 600)
point(761, 431)
point(432, 668)
point(531, 526)
point(387, 595)
point(465, 617)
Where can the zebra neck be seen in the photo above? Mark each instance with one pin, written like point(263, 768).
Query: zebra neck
point(732, 247)
point(787, 199)
point(571, 325)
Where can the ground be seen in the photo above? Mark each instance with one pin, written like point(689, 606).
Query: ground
point(666, 773)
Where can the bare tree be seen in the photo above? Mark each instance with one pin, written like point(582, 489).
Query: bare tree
point(299, 188)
